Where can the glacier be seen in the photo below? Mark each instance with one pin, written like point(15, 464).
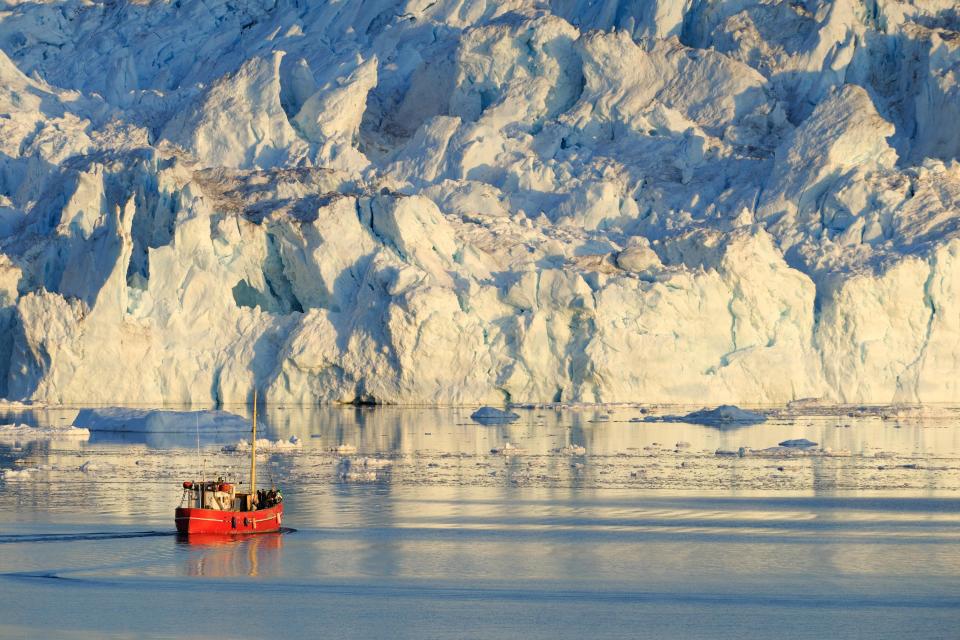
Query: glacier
point(453, 202)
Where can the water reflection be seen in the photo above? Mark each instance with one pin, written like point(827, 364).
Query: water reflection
point(432, 512)
point(349, 449)
point(218, 556)
point(602, 430)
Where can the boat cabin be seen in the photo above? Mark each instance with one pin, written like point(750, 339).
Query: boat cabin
point(220, 495)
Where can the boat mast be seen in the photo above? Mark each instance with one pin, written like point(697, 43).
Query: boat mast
point(198, 446)
point(253, 452)
point(201, 467)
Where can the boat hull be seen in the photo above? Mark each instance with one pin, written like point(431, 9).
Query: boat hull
point(211, 521)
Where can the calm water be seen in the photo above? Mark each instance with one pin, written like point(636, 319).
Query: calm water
point(425, 533)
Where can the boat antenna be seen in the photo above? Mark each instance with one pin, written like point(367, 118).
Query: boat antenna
point(253, 451)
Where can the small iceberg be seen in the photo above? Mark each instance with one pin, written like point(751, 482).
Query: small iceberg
point(361, 470)
point(120, 419)
point(358, 476)
point(21, 405)
point(800, 443)
point(265, 445)
point(22, 433)
point(364, 463)
point(18, 474)
point(492, 415)
point(373, 463)
point(91, 466)
point(571, 450)
point(343, 449)
point(723, 416)
point(507, 449)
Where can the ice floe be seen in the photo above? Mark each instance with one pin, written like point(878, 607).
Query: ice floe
point(119, 419)
point(507, 449)
point(724, 415)
point(492, 415)
point(25, 433)
point(570, 450)
point(366, 469)
point(265, 445)
point(344, 449)
point(800, 443)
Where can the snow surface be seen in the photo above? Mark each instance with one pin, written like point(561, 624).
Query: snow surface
point(479, 202)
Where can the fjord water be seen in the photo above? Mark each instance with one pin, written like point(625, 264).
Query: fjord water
point(648, 533)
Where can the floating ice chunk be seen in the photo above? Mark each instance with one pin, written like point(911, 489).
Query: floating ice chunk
point(776, 452)
point(17, 405)
point(506, 449)
point(265, 445)
point(804, 403)
point(343, 449)
point(800, 443)
point(120, 419)
point(91, 466)
point(365, 463)
point(723, 415)
point(571, 450)
point(360, 470)
point(358, 476)
point(794, 451)
point(19, 474)
point(492, 415)
point(24, 433)
point(373, 463)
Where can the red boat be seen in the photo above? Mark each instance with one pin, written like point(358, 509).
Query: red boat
point(217, 508)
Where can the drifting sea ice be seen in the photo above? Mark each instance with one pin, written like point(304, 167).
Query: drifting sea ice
point(492, 415)
point(21, 433)
point(724, 415)
point(265, 445)
point(800, 443)
point(507, 449)
point(571, 450)
point(120, 419)
point(343, 449)
point(361, 469)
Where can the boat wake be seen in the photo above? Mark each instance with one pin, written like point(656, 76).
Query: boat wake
point(79, 537)
point(96, 535)
point(492, 592)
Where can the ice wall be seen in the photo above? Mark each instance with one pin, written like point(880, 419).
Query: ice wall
point(466, 202)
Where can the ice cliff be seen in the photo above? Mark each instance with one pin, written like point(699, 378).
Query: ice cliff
point(478, 202)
